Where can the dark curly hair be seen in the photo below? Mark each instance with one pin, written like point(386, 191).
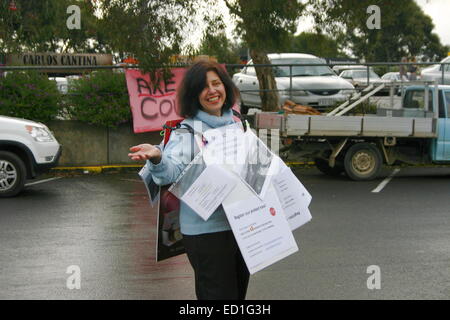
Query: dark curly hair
point(194, 82)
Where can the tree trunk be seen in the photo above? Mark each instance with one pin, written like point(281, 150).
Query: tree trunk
point(269, 95)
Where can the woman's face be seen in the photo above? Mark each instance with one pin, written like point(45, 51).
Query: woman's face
point(213, 96)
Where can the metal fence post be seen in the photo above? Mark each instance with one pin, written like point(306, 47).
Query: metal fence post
point(368, 84)
point(367, 75)
point(290, 82)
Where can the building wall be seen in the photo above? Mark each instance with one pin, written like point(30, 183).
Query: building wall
point(88, 145)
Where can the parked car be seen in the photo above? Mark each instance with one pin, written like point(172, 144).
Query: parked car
point(358, 77)
point(339, 69)
point(395, 76)
point(315, 86)
point(392, 76)
point(27, 149)
point(434, 72)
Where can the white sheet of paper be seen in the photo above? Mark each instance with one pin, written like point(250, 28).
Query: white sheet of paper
point(209, 190)
point(260, 228)
point(276, 167)
point(227, 147)
point(294, 198)
point(242, 153)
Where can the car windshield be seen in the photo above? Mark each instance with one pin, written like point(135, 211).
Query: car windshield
point(283, 71)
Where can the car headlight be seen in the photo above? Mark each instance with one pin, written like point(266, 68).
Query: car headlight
point(40, 134)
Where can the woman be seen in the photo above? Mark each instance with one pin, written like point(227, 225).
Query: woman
point(205, 98)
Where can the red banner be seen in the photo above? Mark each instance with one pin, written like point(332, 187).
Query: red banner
point(153, 102)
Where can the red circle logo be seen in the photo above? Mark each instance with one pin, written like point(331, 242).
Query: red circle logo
point(272, 211)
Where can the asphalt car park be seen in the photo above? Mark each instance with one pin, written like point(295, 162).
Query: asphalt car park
point(104, 225)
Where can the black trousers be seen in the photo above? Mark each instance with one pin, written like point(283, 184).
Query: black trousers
point(220, 270)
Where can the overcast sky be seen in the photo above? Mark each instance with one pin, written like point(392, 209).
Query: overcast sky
point(439, 11)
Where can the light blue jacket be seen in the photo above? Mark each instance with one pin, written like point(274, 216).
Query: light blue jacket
point(176, 156)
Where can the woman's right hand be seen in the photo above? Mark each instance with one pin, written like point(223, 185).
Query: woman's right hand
point(145, 152)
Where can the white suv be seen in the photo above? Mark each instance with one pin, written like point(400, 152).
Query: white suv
point(27, 148)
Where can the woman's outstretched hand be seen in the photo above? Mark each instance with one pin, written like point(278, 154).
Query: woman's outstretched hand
point(145, 152)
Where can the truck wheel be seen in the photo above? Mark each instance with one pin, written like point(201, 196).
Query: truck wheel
point(362, 162)
point(12, 174)
point(325, 168)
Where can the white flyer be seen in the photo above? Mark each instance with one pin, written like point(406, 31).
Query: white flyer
point(242, 153)
point(227, 147)
point(294, 198)
point(259, 227)
point(208, 191)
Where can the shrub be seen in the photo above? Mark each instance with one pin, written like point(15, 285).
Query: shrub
point(100, 98)
point(363, 108)
point(30, 95)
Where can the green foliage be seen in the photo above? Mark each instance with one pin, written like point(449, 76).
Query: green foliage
point(29, 95)
point(405, 30)
point(362, 108)
point(218, 46)
point(100, 98)
point(151, 31)
point(266, 24)
point(40, 26)
point(315, 43)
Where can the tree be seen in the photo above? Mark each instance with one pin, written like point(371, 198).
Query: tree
point(405, 30)
point(219, 46)
point(40, 26)
point(152, 31)
point(265, 26)
point(317, 44)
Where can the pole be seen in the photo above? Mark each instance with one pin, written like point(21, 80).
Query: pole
point(290, 82)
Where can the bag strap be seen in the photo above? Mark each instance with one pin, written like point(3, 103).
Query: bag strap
point(172, 125)
point(243, 121)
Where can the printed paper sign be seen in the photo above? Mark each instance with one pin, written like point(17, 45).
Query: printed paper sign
point(209, 190)
point(293, 197)
point(260, 228)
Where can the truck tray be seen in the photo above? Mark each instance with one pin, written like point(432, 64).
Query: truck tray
point(368, 126)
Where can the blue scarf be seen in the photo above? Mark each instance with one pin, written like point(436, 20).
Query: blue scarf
point(214, 121)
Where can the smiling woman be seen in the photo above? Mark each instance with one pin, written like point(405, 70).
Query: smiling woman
point(206, 81)
point(213, 95)
point(205, 98)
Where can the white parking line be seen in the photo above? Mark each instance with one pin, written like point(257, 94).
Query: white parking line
point(385, 181)
point(42, 181)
